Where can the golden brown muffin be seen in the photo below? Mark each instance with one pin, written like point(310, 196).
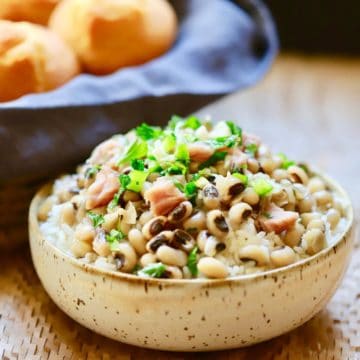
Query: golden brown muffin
point(37, 11)
point(110, 34)
point(32, 59)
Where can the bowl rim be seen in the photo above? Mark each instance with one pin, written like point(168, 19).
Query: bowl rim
point(89, 268)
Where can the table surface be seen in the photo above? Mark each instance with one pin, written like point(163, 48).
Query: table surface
point(308, 107)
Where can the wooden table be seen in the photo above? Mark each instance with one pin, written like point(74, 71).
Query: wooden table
point(307, 107)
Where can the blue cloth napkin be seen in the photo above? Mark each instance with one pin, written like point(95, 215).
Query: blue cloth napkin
point(222, 46)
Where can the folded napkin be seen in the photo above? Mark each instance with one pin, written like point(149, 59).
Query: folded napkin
point(222, 46)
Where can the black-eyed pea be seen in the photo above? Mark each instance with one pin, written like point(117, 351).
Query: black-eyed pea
point(171, 256)
point(183, 240)
point(154, 226)
point(253, 165)
point(45, 207)
point(338, 205)
point(216, 223)
point(298, 174)
point(283, 256)
point(212, 268)
point(145, 217)
point(309, 216)
point(202, 239)
point(313, 241)
point(323, 198)
point(250, 196)
point(280, 197)
point(126, 257)
point(333, 217)
point(258, 253)
point(306, 205)
point(213, 246)
point(128, 195)
point(85, 232)
point(196, 222)
point(173, 272)
point(186, 273)
point(137, 240)
point(147, 259)
point(67, 213)
point(293, 236)
point(110, 221)
point(316, 224)
point(315, 184)
point(238, 213)
point(163, 238)
point(181, 212)
point(124, 227)
point(100, 245)
point(211, 197)
point(280, 174)
point(80, 248)
point(268, 164)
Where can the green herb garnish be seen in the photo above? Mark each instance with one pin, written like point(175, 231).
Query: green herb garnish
point(251, 149)
point(175, 119)
point(223, 142)
point(192, 122)
point(176, 168)
point(137, 179)
point(137, 164)
point(286, 163)
point(97, 219)
point(243, 178)
point(124, 182)
point(262, 187)
point(155, 270)
point(137, 150)
point(192, 261)
point(182, 153)
point(235, 130)
point(190, 189)
point(92, 171)
point(147, 132)
point(169, 143)
point(114, 236)
point(217, 156)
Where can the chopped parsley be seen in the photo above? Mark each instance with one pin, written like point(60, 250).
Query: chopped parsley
point(176, 168)
point(169, 143)
point(137, 150)
point(262, 187)
point(92, 171)
point(137, 179)
point(147, 132)
point(192, 122)
point(217, 156)
point(182, 153)
point(97, 219)
point(223, 142)
point(192, 261)
point(286, 163)
point(190, 189)
point(137, 164)
point(251, 149)
point(155, 270)
point(113, 238)
point(235, 130)
point(243, 178)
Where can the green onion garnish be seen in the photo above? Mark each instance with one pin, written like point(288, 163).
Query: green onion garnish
point(243, 178)
point(97, 219)
point(137, 179)
point(182, 153)
point(147, 132)
point(169, 143)
point(190, 189)
point(262, 187)
point(235, 130)
point(192, 261)
point(192, 122)
point(137, 164)
point(251, 149)
point(217, 156)
point(137, 150)
point(114, 236)
point(155, 270)
point(286, 163)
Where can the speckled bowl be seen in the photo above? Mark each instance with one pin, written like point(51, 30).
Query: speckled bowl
point(190, 315)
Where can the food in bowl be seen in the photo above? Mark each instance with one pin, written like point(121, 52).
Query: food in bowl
point(191, 200)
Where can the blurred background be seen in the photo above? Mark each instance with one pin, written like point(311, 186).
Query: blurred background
point(321, 26)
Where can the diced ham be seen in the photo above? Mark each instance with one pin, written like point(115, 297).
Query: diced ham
point(100, 245)
point(248, 139)
point(277, 219)
point(104, 152)
point(103, 189)
point(200, 152)
point(163, 196)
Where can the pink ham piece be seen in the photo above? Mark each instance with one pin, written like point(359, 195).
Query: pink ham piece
point(200, 152)
point(249, 139)
point(104, 152)
point(103, 189)
point(277, 219)
point(163, 196)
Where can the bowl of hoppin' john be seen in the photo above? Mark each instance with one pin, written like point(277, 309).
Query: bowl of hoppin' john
point(161, 226)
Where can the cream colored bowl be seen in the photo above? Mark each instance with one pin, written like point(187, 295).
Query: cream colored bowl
point(190, 315)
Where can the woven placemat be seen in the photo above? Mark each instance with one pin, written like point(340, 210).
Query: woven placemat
point(32, 327)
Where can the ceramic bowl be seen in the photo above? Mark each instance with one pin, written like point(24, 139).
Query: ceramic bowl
point(191, 315)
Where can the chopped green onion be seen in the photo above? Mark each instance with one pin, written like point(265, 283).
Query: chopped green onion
point(262, 187)
point(114, 236)
point(286, 163)
point(192, 122)
point(137, 179)
point(235, 130)
point(147, 132)
point(243, 178)
point(176, 168)
point(182, 153)
point(155, 270)
point(179, 185)
point(137, 164)
point(175, 119)
point(115, 201)
point(190, 189)
point(222, 142)
point(217, 156)
point(169, 143)
point(192, 261)
point(97, 219)
point(124, 181)
point(92, 171)
point(251, 149)
point(137, 150)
